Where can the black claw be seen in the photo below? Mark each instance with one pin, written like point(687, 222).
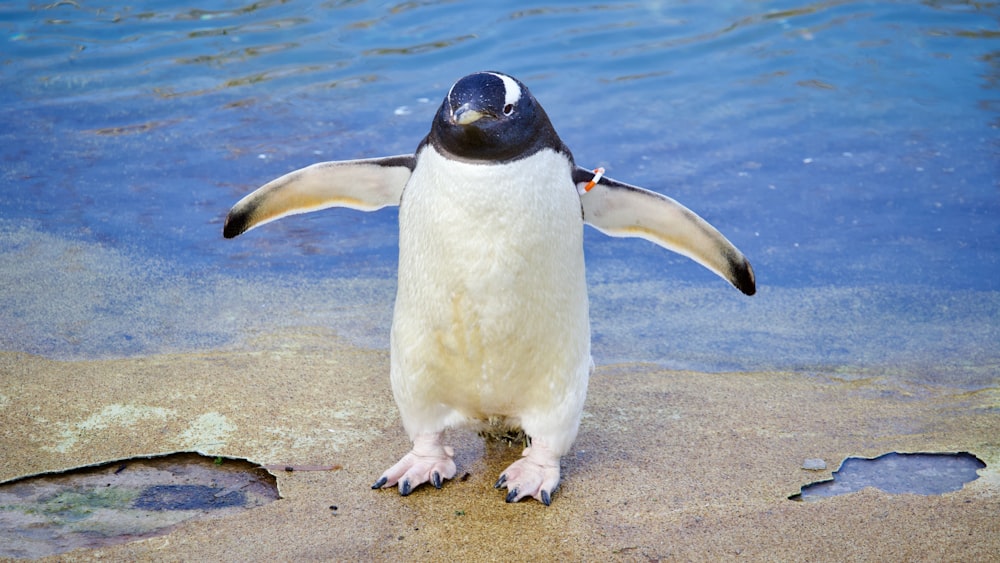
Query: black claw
point(436, 480)
point(404, 487)
point(546, 499)
point(500, 482)
point(380, 483)
point(511, 496)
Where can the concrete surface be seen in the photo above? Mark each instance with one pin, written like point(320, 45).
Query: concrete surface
point(668, 465)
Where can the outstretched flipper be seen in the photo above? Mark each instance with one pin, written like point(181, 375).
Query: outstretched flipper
point(621, 210)
point(366, 185)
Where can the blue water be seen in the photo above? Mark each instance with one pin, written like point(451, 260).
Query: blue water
point(896, 473)
point(850, 149)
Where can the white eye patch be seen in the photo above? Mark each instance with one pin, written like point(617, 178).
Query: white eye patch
point(512, 92)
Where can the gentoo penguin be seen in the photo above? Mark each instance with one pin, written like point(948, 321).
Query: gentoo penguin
point(491, 320)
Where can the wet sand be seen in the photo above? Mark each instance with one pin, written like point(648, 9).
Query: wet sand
point(668, 465)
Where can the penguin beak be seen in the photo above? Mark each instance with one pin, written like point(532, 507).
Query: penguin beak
point(464, 115)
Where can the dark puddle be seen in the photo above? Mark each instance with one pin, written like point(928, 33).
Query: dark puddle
point(124, 501)
point(896, 473)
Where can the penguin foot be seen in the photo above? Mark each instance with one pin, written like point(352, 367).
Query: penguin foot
point(428, 461)
point(535, 475)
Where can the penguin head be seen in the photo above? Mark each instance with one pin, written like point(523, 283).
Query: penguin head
point(490, 116)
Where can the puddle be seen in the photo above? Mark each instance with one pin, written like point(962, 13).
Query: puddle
point(896, 473)
point(124, 501)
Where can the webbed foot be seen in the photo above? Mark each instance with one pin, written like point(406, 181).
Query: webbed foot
point(535, 475)
point(428, 462)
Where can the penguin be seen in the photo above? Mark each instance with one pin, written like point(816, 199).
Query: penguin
point(491, 321)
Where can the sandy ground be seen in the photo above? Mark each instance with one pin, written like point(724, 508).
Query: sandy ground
point(668, 465)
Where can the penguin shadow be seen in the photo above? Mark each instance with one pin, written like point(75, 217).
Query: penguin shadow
point(482, 457)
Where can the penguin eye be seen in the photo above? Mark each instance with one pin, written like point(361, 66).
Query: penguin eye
point(508, 109)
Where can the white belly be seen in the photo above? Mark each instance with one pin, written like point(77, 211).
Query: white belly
point(491, 315)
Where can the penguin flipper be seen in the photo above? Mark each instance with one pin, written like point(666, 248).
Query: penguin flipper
point(622, 210)
point(366, 185)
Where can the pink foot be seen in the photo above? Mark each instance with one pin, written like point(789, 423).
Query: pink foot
point(428, 461)
point(535, 475)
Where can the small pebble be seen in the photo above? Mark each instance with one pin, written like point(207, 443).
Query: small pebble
point(814, 464)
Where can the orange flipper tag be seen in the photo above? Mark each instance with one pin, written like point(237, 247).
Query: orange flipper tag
point(598, 174)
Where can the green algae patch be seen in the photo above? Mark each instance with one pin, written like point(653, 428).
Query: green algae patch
point(122, 501)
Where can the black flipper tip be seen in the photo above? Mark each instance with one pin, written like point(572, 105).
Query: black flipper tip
point(236, 225)
point(744, 280)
